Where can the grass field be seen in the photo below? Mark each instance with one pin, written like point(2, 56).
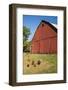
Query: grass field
point(39, 63)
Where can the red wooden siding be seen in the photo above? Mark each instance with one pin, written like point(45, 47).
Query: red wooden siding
point(44, 40)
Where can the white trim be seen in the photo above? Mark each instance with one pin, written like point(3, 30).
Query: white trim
point(39, 77)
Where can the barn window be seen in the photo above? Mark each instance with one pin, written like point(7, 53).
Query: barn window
point(42, 25)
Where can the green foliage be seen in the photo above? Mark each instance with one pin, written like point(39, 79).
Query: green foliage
point(26, 33)
point(26, 46)
point(26, 43)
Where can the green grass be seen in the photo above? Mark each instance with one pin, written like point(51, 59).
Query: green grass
point(48, 63)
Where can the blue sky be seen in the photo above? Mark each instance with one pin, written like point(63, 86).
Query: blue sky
point(32, 22)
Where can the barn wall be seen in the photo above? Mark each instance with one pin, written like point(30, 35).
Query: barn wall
point(44, 40)
point(35, 47)
point(53, 45)
point(43, 32)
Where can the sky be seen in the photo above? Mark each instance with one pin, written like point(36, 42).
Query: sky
point(32, 22)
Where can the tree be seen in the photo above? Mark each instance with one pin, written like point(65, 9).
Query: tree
point(26, 33)
point(26, 46)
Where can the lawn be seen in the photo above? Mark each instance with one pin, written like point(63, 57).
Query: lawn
point(39, 63)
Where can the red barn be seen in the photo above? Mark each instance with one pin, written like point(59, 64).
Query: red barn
point(44, 39)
